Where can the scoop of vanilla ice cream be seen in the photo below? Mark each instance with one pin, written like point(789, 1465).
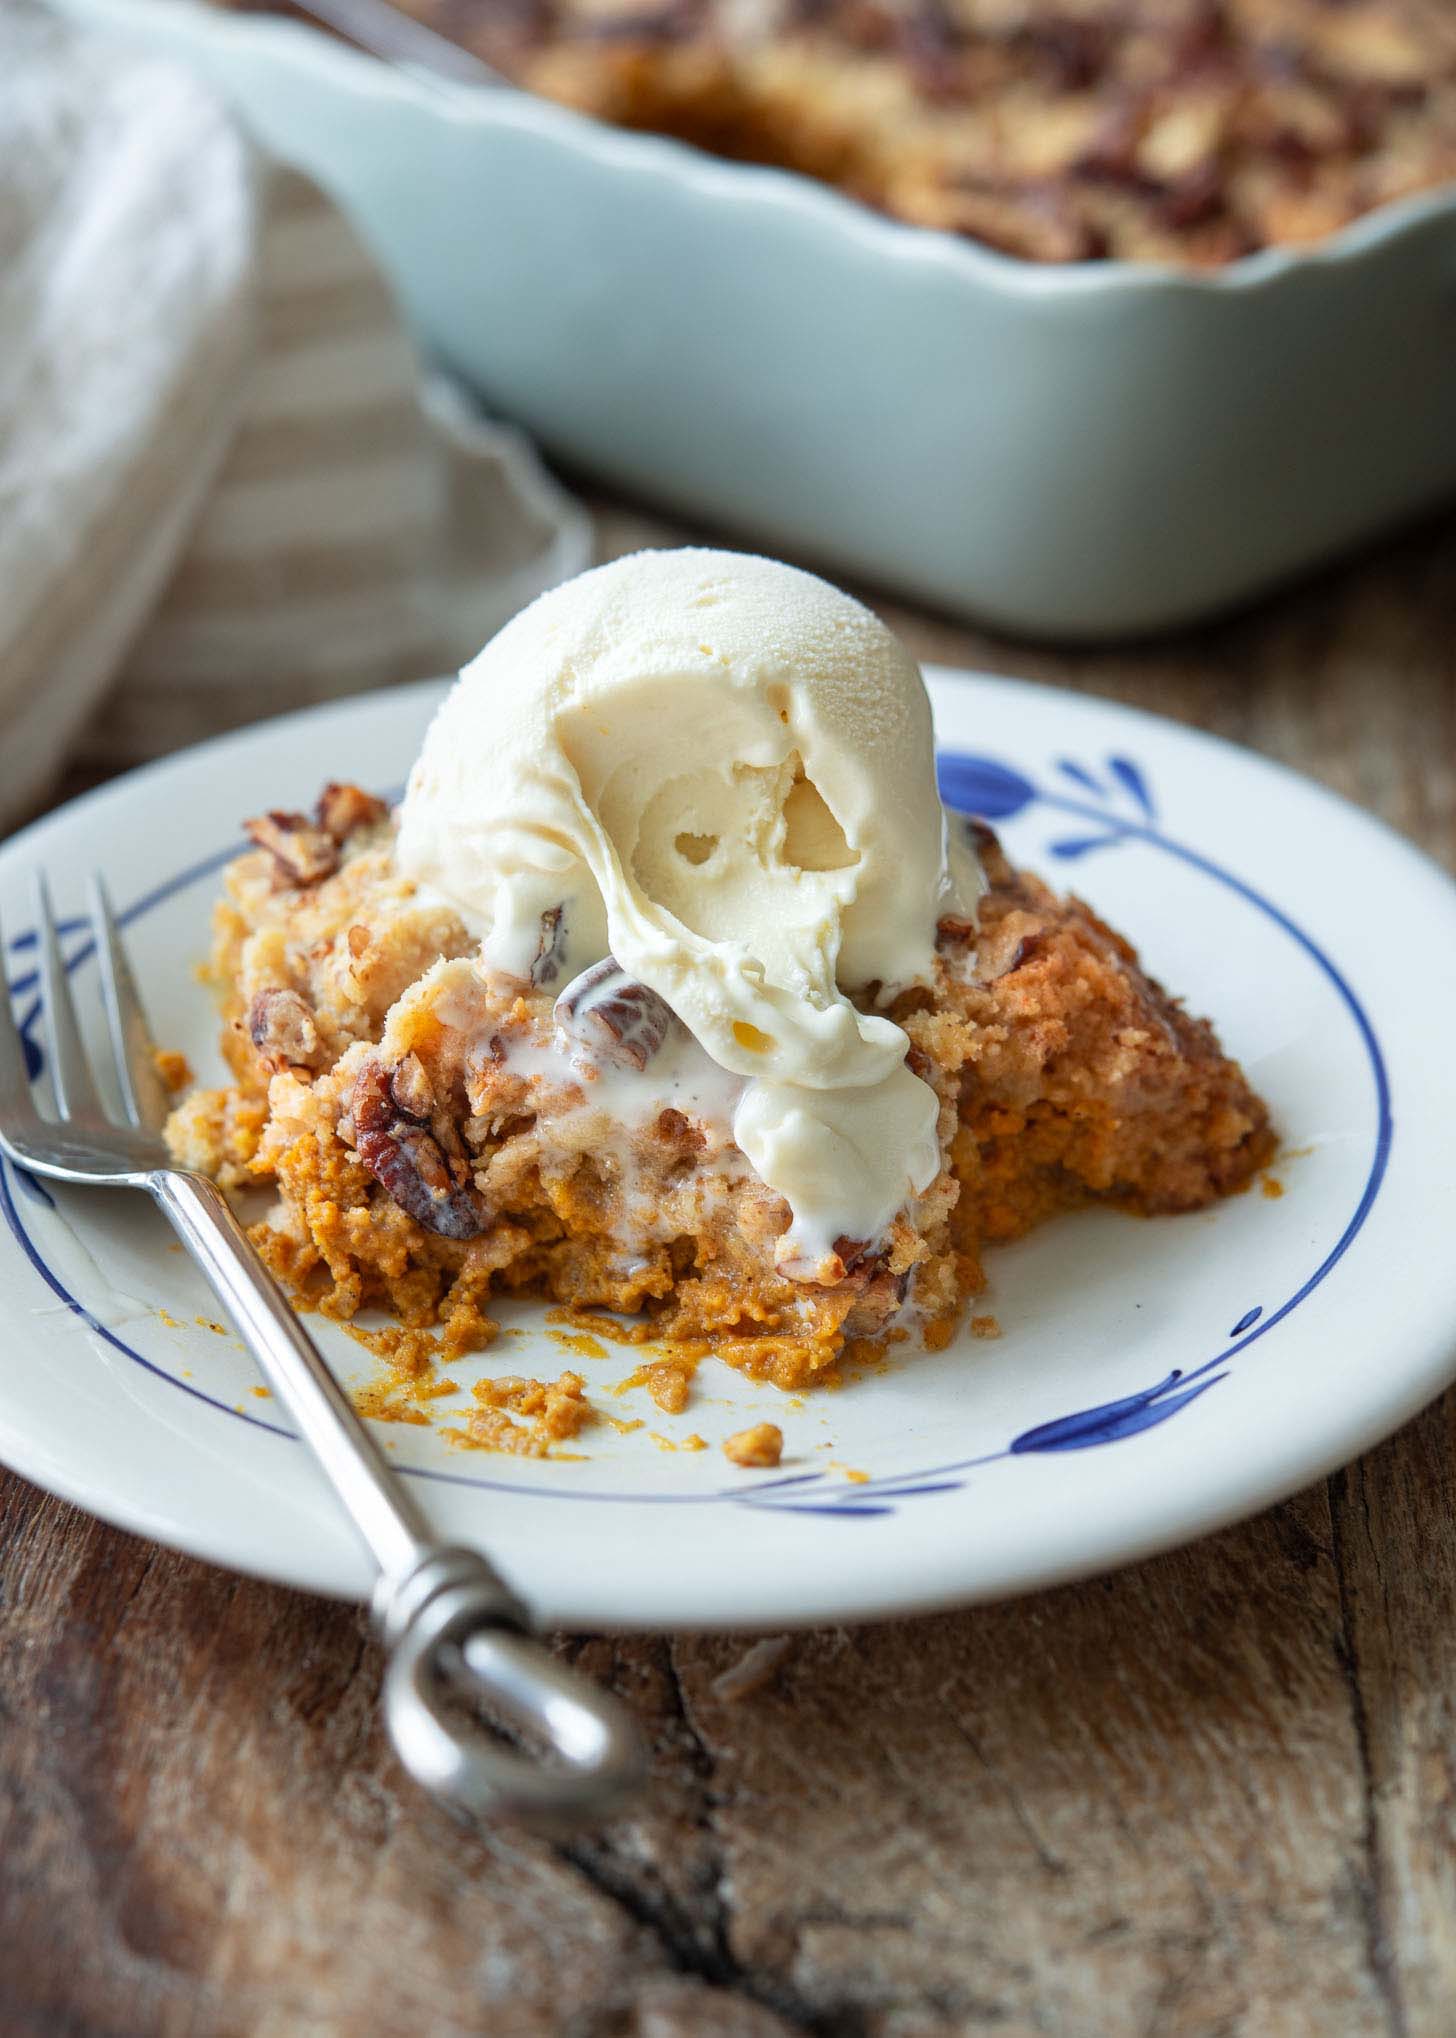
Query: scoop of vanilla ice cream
point(720, 770)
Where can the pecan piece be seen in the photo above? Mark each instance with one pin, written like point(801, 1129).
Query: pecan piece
point(989, 854)
point(983, 837)
point(1194, 198)
point(852, 1252)
point(302, 854)
point(407, 1160)
point(1071, 53)
point(483, 1059)
point(411, 1088)
point(1013, 941)
point(1110, 156)
point(618, 1021)
point(673, 1129)
point(550, 946)
point(283, 1029)
point(930, 45)
point(342, 808)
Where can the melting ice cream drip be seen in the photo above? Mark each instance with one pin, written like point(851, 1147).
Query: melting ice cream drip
point(717, 771)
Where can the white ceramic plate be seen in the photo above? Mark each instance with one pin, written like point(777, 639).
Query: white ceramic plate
point(1154, 1379)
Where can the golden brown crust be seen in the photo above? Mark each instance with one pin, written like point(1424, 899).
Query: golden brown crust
point(1080, 1076)
point(1188, 131)
point(428, 1150)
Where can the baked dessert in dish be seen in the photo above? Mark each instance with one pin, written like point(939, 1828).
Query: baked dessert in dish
point(1187, 131)
point(671, 995)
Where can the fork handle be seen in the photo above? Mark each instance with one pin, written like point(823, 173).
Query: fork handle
point(447, 1619)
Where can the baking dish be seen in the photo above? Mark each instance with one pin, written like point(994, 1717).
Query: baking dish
point(1076, 452)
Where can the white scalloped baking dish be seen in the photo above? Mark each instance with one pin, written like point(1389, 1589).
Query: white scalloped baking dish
point(1076, 451)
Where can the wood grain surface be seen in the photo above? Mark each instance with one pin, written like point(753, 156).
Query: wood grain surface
point(1214, 1794)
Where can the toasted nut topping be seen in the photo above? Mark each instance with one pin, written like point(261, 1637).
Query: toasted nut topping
point(282, 1028)
point(407, 1161)
point(412, 1089)
point(672, 1127)
point(618, 1021)
point(759, 1447)
point(987, 846)
point(481, 1057)
point(342, 808)
point(1007, 946)
point(302, 853)
point(550, 947)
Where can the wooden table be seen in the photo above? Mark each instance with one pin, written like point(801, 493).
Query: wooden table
point(1214, 1794)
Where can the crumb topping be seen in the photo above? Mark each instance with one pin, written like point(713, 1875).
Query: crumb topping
point(431, 1143)
point(758, 1447)
point(1186, 131)
point(525, 1418)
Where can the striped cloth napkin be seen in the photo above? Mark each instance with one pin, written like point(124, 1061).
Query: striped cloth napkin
point(226, 488)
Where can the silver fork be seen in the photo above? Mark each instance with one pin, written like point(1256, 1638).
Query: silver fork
point(452, 1629)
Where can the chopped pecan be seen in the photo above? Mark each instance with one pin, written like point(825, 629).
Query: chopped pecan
point(550, 946)
point(1024, 950)
point(1207, 38)
point(342, 808)
point(1110, 156)
point(851, 1252)
point(283, 1029)
point(1007, 945)
point(1198, 195)
point(989, 853)
point(1040, 221)
point(302, 853)
point(614, 1018)
point(954, 930)
point(930, 45)
point(481, 1058)
point(412, 1089)
point(407, 1161)
point(1071, 52)
point(673, 1129)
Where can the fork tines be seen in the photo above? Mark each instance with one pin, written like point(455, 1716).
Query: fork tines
point(85, 1138)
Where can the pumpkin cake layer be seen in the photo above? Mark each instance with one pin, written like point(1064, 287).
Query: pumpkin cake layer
point(437, 1133)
